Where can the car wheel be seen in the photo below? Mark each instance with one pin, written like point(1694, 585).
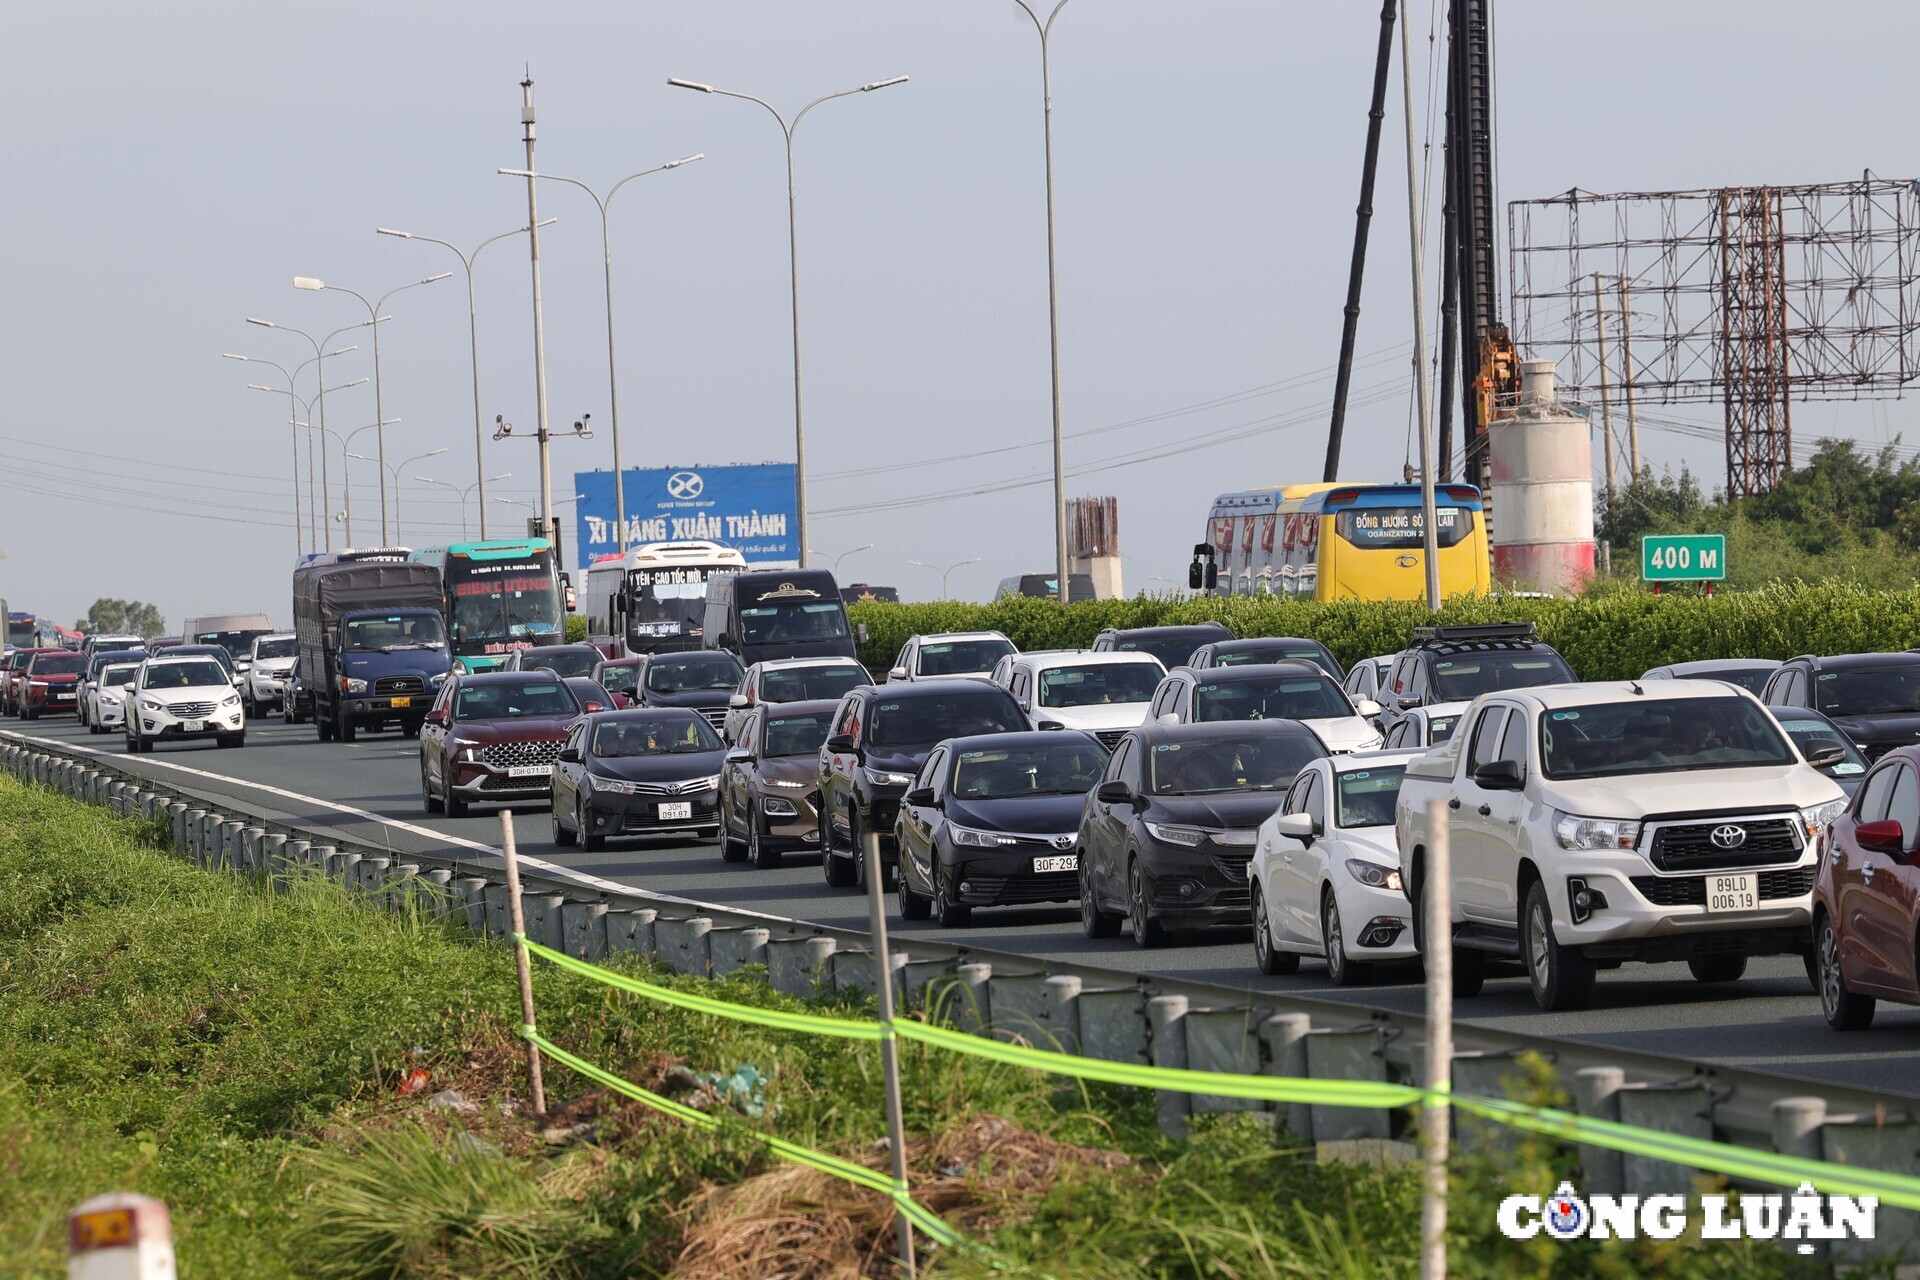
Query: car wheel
point(344, 728)
point(589, 840)
point(323, 726)
point(1269, 958)
point(1811, 960)
point(1095, 921)
point(912, 905)
point(562, 836)
point(763, 853)
point(951, 914)
point(456, 807)
point(839, 871)
point(1845, 1010)
point(1147, 932)
point(428, 801)
point(1561, 977)
point(732, 850)
point(30, 713)
point(1717, 968)
point(1341, 971)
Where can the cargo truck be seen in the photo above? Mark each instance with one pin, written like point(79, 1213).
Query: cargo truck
point(373, 645)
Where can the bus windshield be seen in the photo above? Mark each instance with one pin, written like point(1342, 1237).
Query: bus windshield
point(506, 604)
point(790, 622)
point(669, 602)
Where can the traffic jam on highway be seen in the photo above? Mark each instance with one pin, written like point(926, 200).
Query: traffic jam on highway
point(1168, 780)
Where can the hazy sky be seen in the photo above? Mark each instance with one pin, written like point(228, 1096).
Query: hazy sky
point(172, 166)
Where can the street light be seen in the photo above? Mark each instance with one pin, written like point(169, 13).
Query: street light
point(309, 405)
point(843, 555)
point(793, 270)
point(398, 529)
point(606, 261)
point(299, 538)
point(1053, 298)
point(944, 572)
point(346, 484)
point(465, 493)
point(379, 412)
point(321, 373)
point(473, 344)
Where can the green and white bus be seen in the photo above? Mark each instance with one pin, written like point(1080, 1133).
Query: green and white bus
point(498, 596)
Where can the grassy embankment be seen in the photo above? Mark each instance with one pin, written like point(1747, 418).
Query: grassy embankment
point(241, 1054)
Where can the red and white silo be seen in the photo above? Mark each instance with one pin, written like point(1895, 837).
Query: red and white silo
point(1541, 457)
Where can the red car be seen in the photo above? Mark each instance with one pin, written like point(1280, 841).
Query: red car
point(49, 682)
point(1866, 903)
point(13, 678)
point(492, 738)
point(619, 676)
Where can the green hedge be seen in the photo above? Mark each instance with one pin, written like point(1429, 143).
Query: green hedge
point(1609, 635)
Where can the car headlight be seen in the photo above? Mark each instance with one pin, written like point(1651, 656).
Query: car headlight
point(888, 778)
point(968, 838)
point(1575, 832)
point(1373, 875)
point(468, 751)
point(778, 807)
point(1822, 816)
point(354, 685)
point(1166, 833)
point(1371, 744)
point(612, 786)
point(1235, 838)
point(152, 704)
point(231, 700)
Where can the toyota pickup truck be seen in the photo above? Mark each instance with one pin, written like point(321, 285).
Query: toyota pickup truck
point(1591, 824)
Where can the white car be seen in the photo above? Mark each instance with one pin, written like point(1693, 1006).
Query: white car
point(1104, 694)
point(1326, 871)
point(1272, 691)
point(179, 699)
point(106, 697)
point(1422, 727)
point(104, 643)
point(950, 655)
point(268, 672)
point(1366, 677)
point(791, 680)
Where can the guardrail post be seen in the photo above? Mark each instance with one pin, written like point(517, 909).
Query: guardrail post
point(471, 893)
point(583, 928)
point(117, 796)
point(920, 975)
point(735, 948)
point(1166, 1017)
point(1062, 1011)
point(683, 944)
point(343, 867)
point(1796, 1132)
point(209, 848)
point(232, 855)
point(1347, 1053)
point(1222, 1040)
point(186, 821)
point(800, 966)
point(1113, 1023)
point(1893, 1146)
point(1670, 1108)
point(1285, 1036)
point(631, 932)
point(1481, 1075)
point(403, 884)
point(274, 860)
point(973, 998)
point(437, 884)
point(370, 877)
point(542, 912)
point(499, 911)
point(253, 847)
point(1596, 1095)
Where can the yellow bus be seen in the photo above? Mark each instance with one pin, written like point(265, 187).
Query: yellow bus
point(1346, 541)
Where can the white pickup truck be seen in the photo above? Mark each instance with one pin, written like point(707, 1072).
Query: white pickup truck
point(1590, 824)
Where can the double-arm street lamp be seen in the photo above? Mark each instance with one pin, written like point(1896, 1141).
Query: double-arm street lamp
point(944, 572)
point(293, 421)
point(473, 346)
point(606, 260)
point(319, 355)
point(315, 407)
point(399, 529)
point(465, 492)
point(793, 270)
point(379, 412)
point(346, 484)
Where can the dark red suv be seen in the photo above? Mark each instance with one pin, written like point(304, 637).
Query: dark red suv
point(50, 681)
point(13, 679)
point(1866, 907)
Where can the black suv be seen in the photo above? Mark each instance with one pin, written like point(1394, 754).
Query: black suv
point(1172, 645)
point(1458, 664)
point(878, 740)
point(1874, 698)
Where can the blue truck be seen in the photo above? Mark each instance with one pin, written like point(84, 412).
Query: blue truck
point(373, 646)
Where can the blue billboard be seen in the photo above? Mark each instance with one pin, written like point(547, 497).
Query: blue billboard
point(747, 507)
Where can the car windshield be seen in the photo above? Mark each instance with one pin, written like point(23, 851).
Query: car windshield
point(562, 662)
point(286, 648)
point(695, 673)
point(377, 634)
point(1817, 737)
point(1062, 769)
point(793, 622)
point(1752, 679)
point(234, 642)
point(507, 700)
point(1267, 762)
point(796, 735)
point(1659, 735)
point(114, 677)
point(960, 657)
point(184, 675)
point(1868, 690)
point(619, 679)
point(1173, 651)
point(1279, 653)
point(1440, 728)
point(614, 739)
point(1099, 685)
point(1365, 796)
point(1462, 677)
point(61, 664)
point(924, 720)
point(1308, 696)
point(807, 684)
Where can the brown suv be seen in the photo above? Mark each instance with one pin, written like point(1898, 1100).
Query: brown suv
point(492, 738)
point(770, 788)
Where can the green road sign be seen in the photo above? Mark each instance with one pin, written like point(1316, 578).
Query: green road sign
point(1683, 557)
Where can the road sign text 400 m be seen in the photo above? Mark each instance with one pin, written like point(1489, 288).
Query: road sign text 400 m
point(1683, 558)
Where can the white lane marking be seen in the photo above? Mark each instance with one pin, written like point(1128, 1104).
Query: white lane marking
point(551, 868)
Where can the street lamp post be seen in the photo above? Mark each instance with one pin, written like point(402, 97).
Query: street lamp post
point(843, 555)
point(465, 493)
point(473, 346)
point(379, 412)
point(944, 572)
point(1045, 28)
point(399, 529)
point(793, 271)
point(321, 374)
point(312, 405)
point(606, 259)
point(293, 422)
point(346, 483)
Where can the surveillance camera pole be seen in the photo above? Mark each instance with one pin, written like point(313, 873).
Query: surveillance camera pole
point(539, 329)
point(544, 438)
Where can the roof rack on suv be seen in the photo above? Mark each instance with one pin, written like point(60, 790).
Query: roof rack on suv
point(1471, 634)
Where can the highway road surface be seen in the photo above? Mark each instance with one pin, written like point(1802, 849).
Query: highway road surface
point(370, 790)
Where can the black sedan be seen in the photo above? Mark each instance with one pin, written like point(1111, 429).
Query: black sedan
point(640, 772)
point(702, 680)
point(561, 659)
point(993, 821)
point(1166, 837)
point(1266, 649)
point(1824, 745)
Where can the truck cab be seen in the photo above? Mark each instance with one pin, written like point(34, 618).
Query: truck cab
point(373, 645)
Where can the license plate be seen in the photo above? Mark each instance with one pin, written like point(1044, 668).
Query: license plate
point(1731, 893)
point(529, 771)
point(192, 726)
point(1064, 862)
point(677, 809)
point(63, 697)
point(400, 704)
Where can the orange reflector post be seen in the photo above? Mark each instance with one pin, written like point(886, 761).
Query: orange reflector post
point(99, 1229)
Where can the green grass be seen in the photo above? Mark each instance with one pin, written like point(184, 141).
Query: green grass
point(235, 1053)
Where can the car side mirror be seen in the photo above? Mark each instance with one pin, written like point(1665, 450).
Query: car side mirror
point(726, 640)
point(897, 673)
point(332, 641)
point(1367, 708)
point(738, 700)
point(1052, 725)
point(919, 797)
point(840, 744)
point(1501, 775)
point(436, 716)
point(570, 755)
point(1167, 717)
point(1881, 837)
point(739, 755)
point(1299, 826)
point(1823, 757)
point(127, 687)
point(592, 707)
point(1114, 792)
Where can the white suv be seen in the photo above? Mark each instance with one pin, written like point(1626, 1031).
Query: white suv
point(950, 655)
point(1591, 824)
point(1104, 694)
point(106, 696)
point(179, 698)
point(269, 670)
